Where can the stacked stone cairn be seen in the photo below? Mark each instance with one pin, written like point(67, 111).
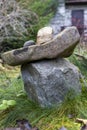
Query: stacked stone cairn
point(47, 76)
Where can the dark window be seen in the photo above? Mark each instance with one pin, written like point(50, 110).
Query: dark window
point(78, 20)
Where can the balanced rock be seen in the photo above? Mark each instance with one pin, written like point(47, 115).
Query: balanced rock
point(44, 35)
point(61, 46)
point(47, 82)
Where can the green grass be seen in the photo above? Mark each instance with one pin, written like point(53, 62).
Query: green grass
point(80, 62)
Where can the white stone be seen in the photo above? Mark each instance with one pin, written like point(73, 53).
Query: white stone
point(44, 35)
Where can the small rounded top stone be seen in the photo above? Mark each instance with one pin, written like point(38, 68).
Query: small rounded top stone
point(63, 128)
point(29, 43)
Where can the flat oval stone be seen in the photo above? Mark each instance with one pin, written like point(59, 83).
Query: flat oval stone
point(61, 46)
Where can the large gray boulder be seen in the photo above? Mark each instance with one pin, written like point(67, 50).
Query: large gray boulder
point(61, 46)
point(47, 82)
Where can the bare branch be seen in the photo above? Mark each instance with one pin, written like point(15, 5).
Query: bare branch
point(14, 21)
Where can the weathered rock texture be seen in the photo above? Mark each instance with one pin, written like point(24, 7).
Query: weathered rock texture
point(44, 35)
point(48, 81)
point(61, 46)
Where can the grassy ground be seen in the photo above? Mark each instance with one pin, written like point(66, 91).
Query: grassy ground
point(11, 88)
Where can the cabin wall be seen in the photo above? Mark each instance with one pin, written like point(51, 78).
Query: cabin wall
point(58, 20)
point(63, 16)
point(68, 16)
